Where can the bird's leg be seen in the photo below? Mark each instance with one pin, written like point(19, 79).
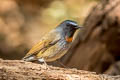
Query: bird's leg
point(42, 60)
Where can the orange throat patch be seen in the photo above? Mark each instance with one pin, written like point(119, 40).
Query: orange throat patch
point(69, 39)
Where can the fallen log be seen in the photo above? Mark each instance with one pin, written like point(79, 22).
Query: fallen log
point(20, 70)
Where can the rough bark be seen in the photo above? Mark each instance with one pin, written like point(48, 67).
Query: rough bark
point(97, 46)
point(20, 70)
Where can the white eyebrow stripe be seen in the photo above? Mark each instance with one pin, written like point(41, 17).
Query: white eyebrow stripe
point(73, 23)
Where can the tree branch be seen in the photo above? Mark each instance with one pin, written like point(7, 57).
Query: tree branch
point(20, 70)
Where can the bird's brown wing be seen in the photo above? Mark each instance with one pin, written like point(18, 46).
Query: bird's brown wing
point(47, 41)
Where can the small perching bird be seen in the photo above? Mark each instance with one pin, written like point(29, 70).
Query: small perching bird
point(54, 44)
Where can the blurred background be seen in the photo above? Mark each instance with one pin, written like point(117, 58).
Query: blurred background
point(24, 22)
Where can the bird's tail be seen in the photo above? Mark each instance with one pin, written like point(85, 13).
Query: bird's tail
point(29, 58)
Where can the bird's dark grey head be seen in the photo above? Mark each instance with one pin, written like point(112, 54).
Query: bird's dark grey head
point(68, 28)
point(69, 24)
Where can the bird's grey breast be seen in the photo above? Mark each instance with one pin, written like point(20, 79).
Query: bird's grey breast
point(62, 43)
point(61, 48)
point(58, 49)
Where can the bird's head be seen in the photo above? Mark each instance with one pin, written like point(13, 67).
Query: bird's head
point(68, 28)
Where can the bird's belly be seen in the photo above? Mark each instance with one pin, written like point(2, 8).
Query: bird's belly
point(56, 51)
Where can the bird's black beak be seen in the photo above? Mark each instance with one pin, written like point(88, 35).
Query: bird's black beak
point(78, 27)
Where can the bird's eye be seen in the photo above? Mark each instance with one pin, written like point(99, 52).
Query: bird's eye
point(68, 24)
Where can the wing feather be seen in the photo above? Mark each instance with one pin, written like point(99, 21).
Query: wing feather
point(47, 41)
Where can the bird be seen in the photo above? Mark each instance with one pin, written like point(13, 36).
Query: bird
point(54, 44)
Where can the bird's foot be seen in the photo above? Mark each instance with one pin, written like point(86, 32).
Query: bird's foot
point(44, 62)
